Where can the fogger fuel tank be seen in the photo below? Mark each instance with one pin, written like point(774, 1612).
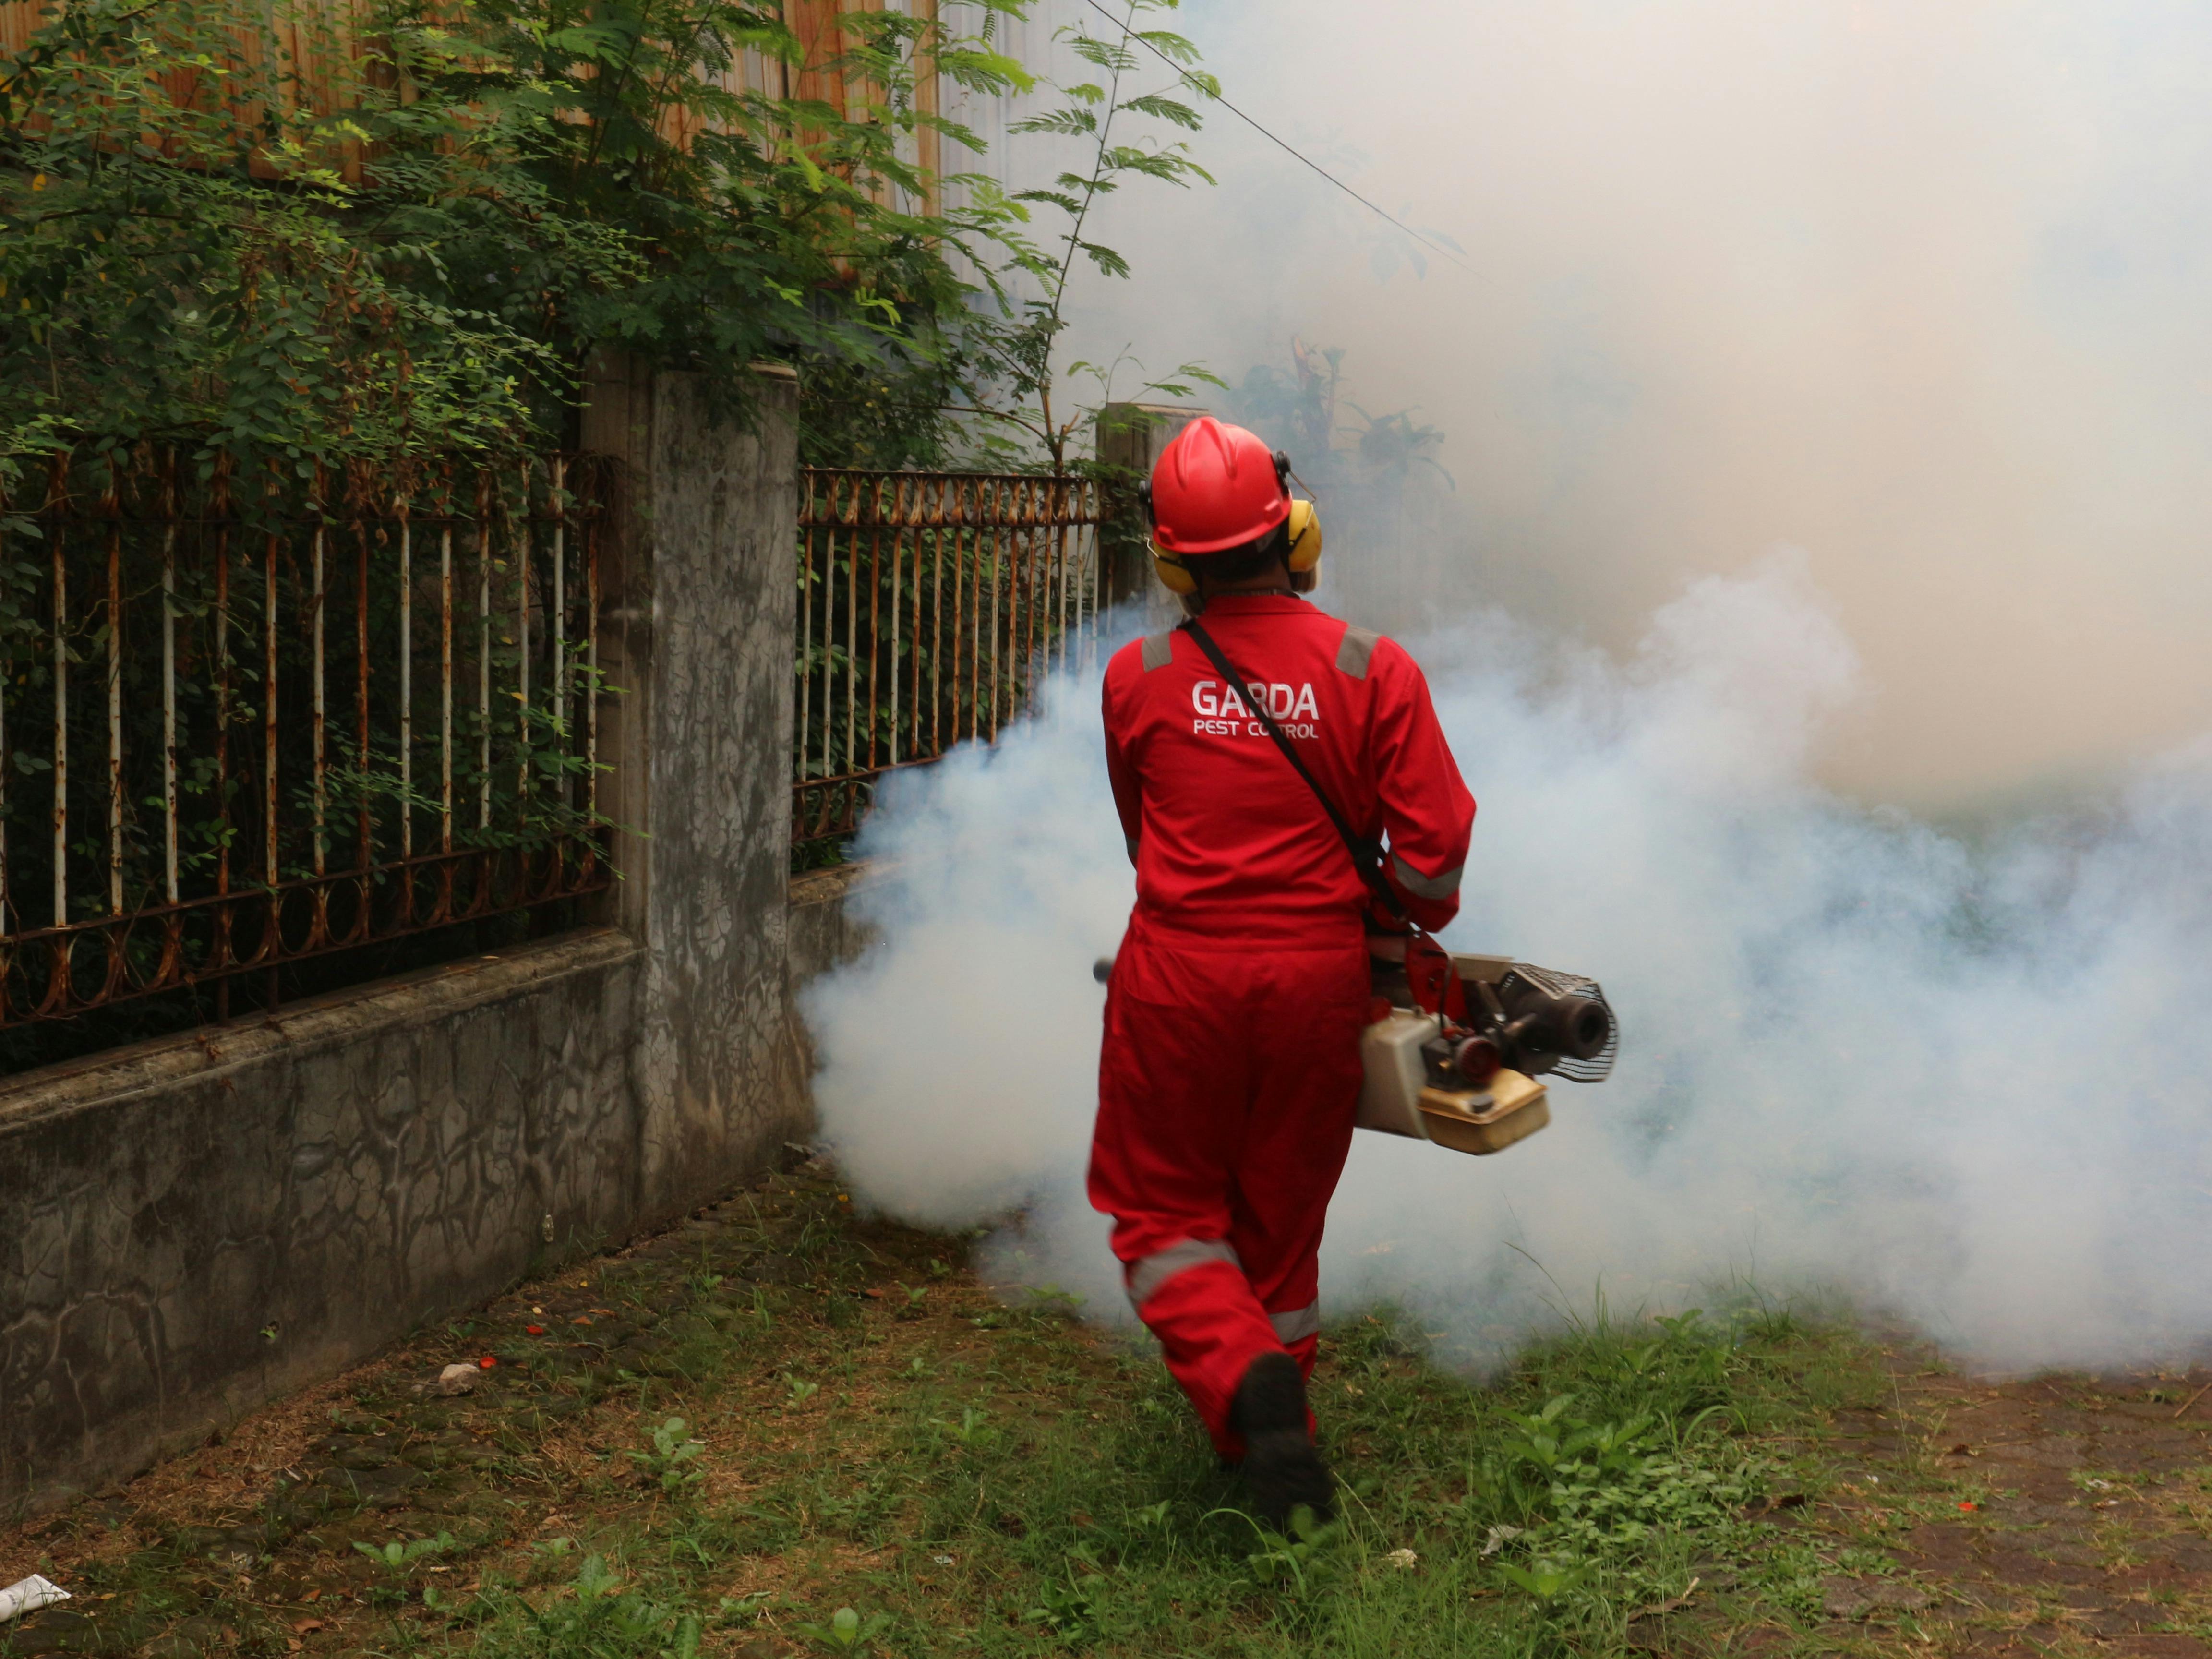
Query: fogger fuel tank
point(1398, 1099)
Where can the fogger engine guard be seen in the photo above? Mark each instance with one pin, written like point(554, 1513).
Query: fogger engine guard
point(1459, 1041)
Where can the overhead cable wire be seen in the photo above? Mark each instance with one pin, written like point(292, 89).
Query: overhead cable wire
point(1284, 145)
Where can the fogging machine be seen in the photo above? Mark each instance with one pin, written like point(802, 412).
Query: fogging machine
point(1458, 1042)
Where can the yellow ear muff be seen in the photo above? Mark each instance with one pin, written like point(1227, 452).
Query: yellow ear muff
point(1303, 528)
point(1175, 576)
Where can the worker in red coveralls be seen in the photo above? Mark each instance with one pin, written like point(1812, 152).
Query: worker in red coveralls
point(1230, 1072)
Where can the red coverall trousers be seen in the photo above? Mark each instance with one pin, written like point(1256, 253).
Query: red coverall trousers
point(1222, 1127)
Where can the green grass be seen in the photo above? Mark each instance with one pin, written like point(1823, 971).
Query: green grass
point(833, 1441)
point(1541, 1513)
point(1055, 1496)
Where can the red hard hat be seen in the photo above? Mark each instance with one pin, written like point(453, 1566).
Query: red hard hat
point(1216, 487)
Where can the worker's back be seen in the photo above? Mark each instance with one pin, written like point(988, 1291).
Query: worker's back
point(1228, 841)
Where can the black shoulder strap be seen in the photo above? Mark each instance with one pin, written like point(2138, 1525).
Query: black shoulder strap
point(1366, 855)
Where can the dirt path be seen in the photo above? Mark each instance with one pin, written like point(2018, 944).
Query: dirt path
point(2015, 1519)
point(2087, 1529)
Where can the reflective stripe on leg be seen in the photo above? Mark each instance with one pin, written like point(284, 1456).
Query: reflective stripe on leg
point(1147, 1273)
point(1297, 1325)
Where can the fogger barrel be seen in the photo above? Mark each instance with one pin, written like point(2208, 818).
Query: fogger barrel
point(1555, 1022)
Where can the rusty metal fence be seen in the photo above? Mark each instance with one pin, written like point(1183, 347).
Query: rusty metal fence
point(929, 603)
point(248, 720)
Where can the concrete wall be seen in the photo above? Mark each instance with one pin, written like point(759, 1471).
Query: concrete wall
point(194, 1225)
point(823, 934)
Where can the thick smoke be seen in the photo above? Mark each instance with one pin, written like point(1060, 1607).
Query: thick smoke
point(1967, 1086)
point(1918, 287)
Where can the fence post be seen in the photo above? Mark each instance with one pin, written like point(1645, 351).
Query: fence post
point(698, 631)
point(1131, 436)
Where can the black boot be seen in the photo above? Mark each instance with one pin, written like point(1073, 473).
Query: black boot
point(1281, 1467)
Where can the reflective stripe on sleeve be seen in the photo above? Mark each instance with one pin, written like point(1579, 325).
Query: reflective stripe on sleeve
point(1428, 887)
point(1354, 650)
point(1298, 1324)
point(1158, 651)
point(1148, 1273)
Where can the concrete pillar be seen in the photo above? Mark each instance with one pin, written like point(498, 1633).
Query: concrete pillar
point(700, 634)
point(1130, 437)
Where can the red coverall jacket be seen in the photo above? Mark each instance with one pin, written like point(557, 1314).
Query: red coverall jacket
point(1230, 1071)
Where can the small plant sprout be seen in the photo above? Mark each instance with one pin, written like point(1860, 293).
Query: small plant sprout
point(596, 1580)
point(397, 1556)
point(972, 1429)
point(1068, 1609)
point(1304, 1555)
point(1152, 1516)
point(847, 1631)
point(672, 1455)
point(1050, 1304)
point(801, 1389)
point(1545, 1580)
point(742, 1612)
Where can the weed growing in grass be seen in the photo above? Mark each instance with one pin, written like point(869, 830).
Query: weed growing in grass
point(1307, 1558)
point(847, 1631)
point(1591, 1486)
point(671, 1461)
point(1546, 1580)
point(970, 1431)
point(1037, 1307)
point(1069, 1608)
point(397, 1558)
point(1152, 1516)
point(597, 1617)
